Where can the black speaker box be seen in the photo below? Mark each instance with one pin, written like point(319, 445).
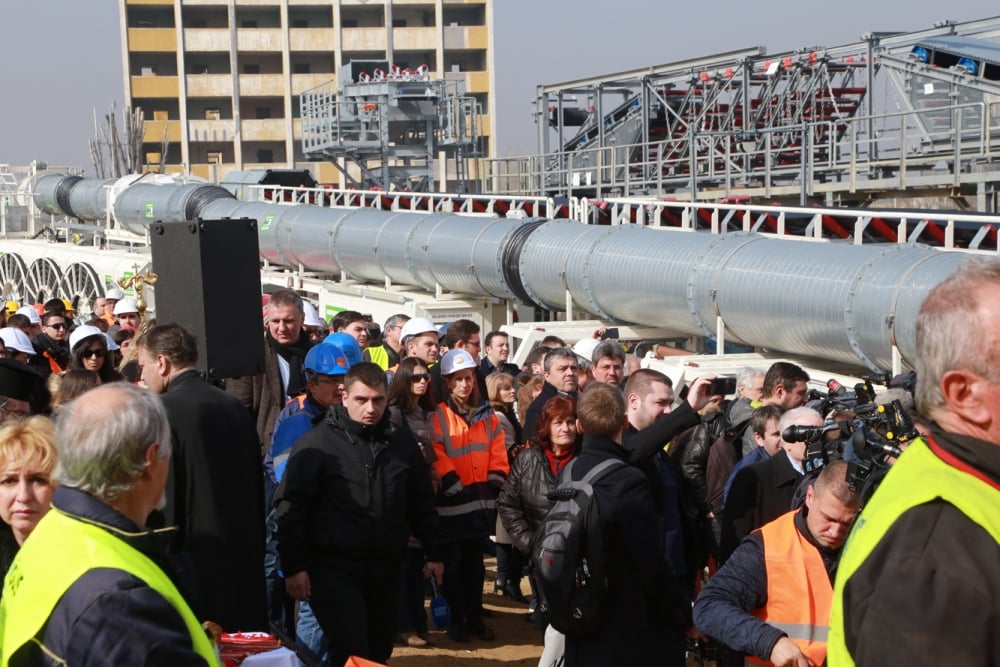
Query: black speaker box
point(208, 281)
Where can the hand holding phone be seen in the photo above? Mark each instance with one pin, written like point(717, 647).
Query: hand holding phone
point(722, 385)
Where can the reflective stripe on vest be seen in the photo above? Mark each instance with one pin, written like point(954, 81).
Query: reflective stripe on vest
point(473, 451)
point(919, 476)
point(61, 550)
point(798, 588)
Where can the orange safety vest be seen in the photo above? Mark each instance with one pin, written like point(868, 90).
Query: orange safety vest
point(799, 592)
point(475, 452)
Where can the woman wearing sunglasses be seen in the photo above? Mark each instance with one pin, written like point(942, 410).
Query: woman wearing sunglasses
point(89, 350)
point(411, 407)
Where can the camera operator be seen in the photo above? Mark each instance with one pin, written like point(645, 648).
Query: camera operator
point(919, 583)
point(772, 597)
point(764, 491)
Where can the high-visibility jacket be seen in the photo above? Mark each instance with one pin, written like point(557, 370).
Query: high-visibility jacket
point(799, 592)
point(923, 474)
point(472, 463)
point(379, 356)
point(61, 550)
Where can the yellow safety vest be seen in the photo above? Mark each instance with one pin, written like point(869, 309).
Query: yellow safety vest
point(918, 477)
point(379, 356)
point(61, 550)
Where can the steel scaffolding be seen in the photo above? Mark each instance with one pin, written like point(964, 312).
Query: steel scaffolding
point(897, 112)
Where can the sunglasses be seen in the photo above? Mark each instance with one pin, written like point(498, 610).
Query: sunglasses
point(60, 325)
point(96, 352)
point(420, 377)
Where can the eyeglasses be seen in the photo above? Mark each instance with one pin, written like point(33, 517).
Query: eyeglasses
point(420, 377)
point(94, 352)
point(60, 325)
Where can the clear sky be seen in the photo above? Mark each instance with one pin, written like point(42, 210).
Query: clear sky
point(61, 59)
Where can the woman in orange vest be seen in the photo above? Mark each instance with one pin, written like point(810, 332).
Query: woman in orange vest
point(472, 464)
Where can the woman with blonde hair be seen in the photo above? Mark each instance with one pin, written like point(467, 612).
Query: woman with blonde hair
point(27, 458)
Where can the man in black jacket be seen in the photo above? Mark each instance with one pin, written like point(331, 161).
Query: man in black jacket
point(215, 494)
point(51, 346)
point(641, 601)
point(764, 491)
point(560, 378)
point(354, 487)
point(652, 424)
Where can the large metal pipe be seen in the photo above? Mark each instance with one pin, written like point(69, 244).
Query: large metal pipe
point(825, 299)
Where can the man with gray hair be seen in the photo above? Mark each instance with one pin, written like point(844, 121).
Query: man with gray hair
point(935, 519)
point(390, 352)
point(560, 379)
point(749, 390)
point(89, 586)
point(609, 363)
point(285, 347)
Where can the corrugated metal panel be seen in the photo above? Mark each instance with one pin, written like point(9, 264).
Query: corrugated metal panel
point(978, 49)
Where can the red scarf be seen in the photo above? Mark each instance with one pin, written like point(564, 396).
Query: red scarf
point(558, 461)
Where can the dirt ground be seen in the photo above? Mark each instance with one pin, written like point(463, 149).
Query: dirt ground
point(518, 643)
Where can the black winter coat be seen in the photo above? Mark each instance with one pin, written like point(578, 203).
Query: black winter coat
point(522, 503)
point(642, 603)
point(760, 493)
point(351, 495)
point(215, 498)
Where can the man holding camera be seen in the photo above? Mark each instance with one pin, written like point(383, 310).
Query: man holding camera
point(919, 581)
point(764, 491)
point(772, 598)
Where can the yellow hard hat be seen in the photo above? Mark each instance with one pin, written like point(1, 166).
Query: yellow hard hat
point(68, 304)
point(11, 307)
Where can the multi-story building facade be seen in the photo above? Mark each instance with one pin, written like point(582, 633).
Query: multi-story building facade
point(219, 80)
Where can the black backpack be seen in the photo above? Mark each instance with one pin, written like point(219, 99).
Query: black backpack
point(568, 554)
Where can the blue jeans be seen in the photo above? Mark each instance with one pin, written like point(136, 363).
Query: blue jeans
point(309, 636)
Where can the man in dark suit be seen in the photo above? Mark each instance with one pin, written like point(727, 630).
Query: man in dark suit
point(762, 492)
point(642, 602)
point(560, 379)
point(215, 493)
point(285, 348)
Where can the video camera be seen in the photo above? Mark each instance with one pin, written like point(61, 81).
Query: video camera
point(867, 438)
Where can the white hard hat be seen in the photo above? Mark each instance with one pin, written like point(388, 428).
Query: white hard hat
point(584, 348)
point(114, 293)
point(456, 360)
point(126, 305)
point(30, 313)
point(81, 332)
point(112, 345)
point(15, 339)
point(312, 317)
point(417, 326)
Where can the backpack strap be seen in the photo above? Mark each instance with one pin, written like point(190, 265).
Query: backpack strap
point(600, 470)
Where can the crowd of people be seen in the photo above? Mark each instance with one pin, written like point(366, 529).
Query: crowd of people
point(320, 498)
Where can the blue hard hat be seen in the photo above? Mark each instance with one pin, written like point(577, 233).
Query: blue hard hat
point(327, 359)
point(348, 344)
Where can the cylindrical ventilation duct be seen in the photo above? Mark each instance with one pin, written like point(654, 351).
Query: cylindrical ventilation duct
point(52, 193)
point(142, 204)
point(830, 300)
